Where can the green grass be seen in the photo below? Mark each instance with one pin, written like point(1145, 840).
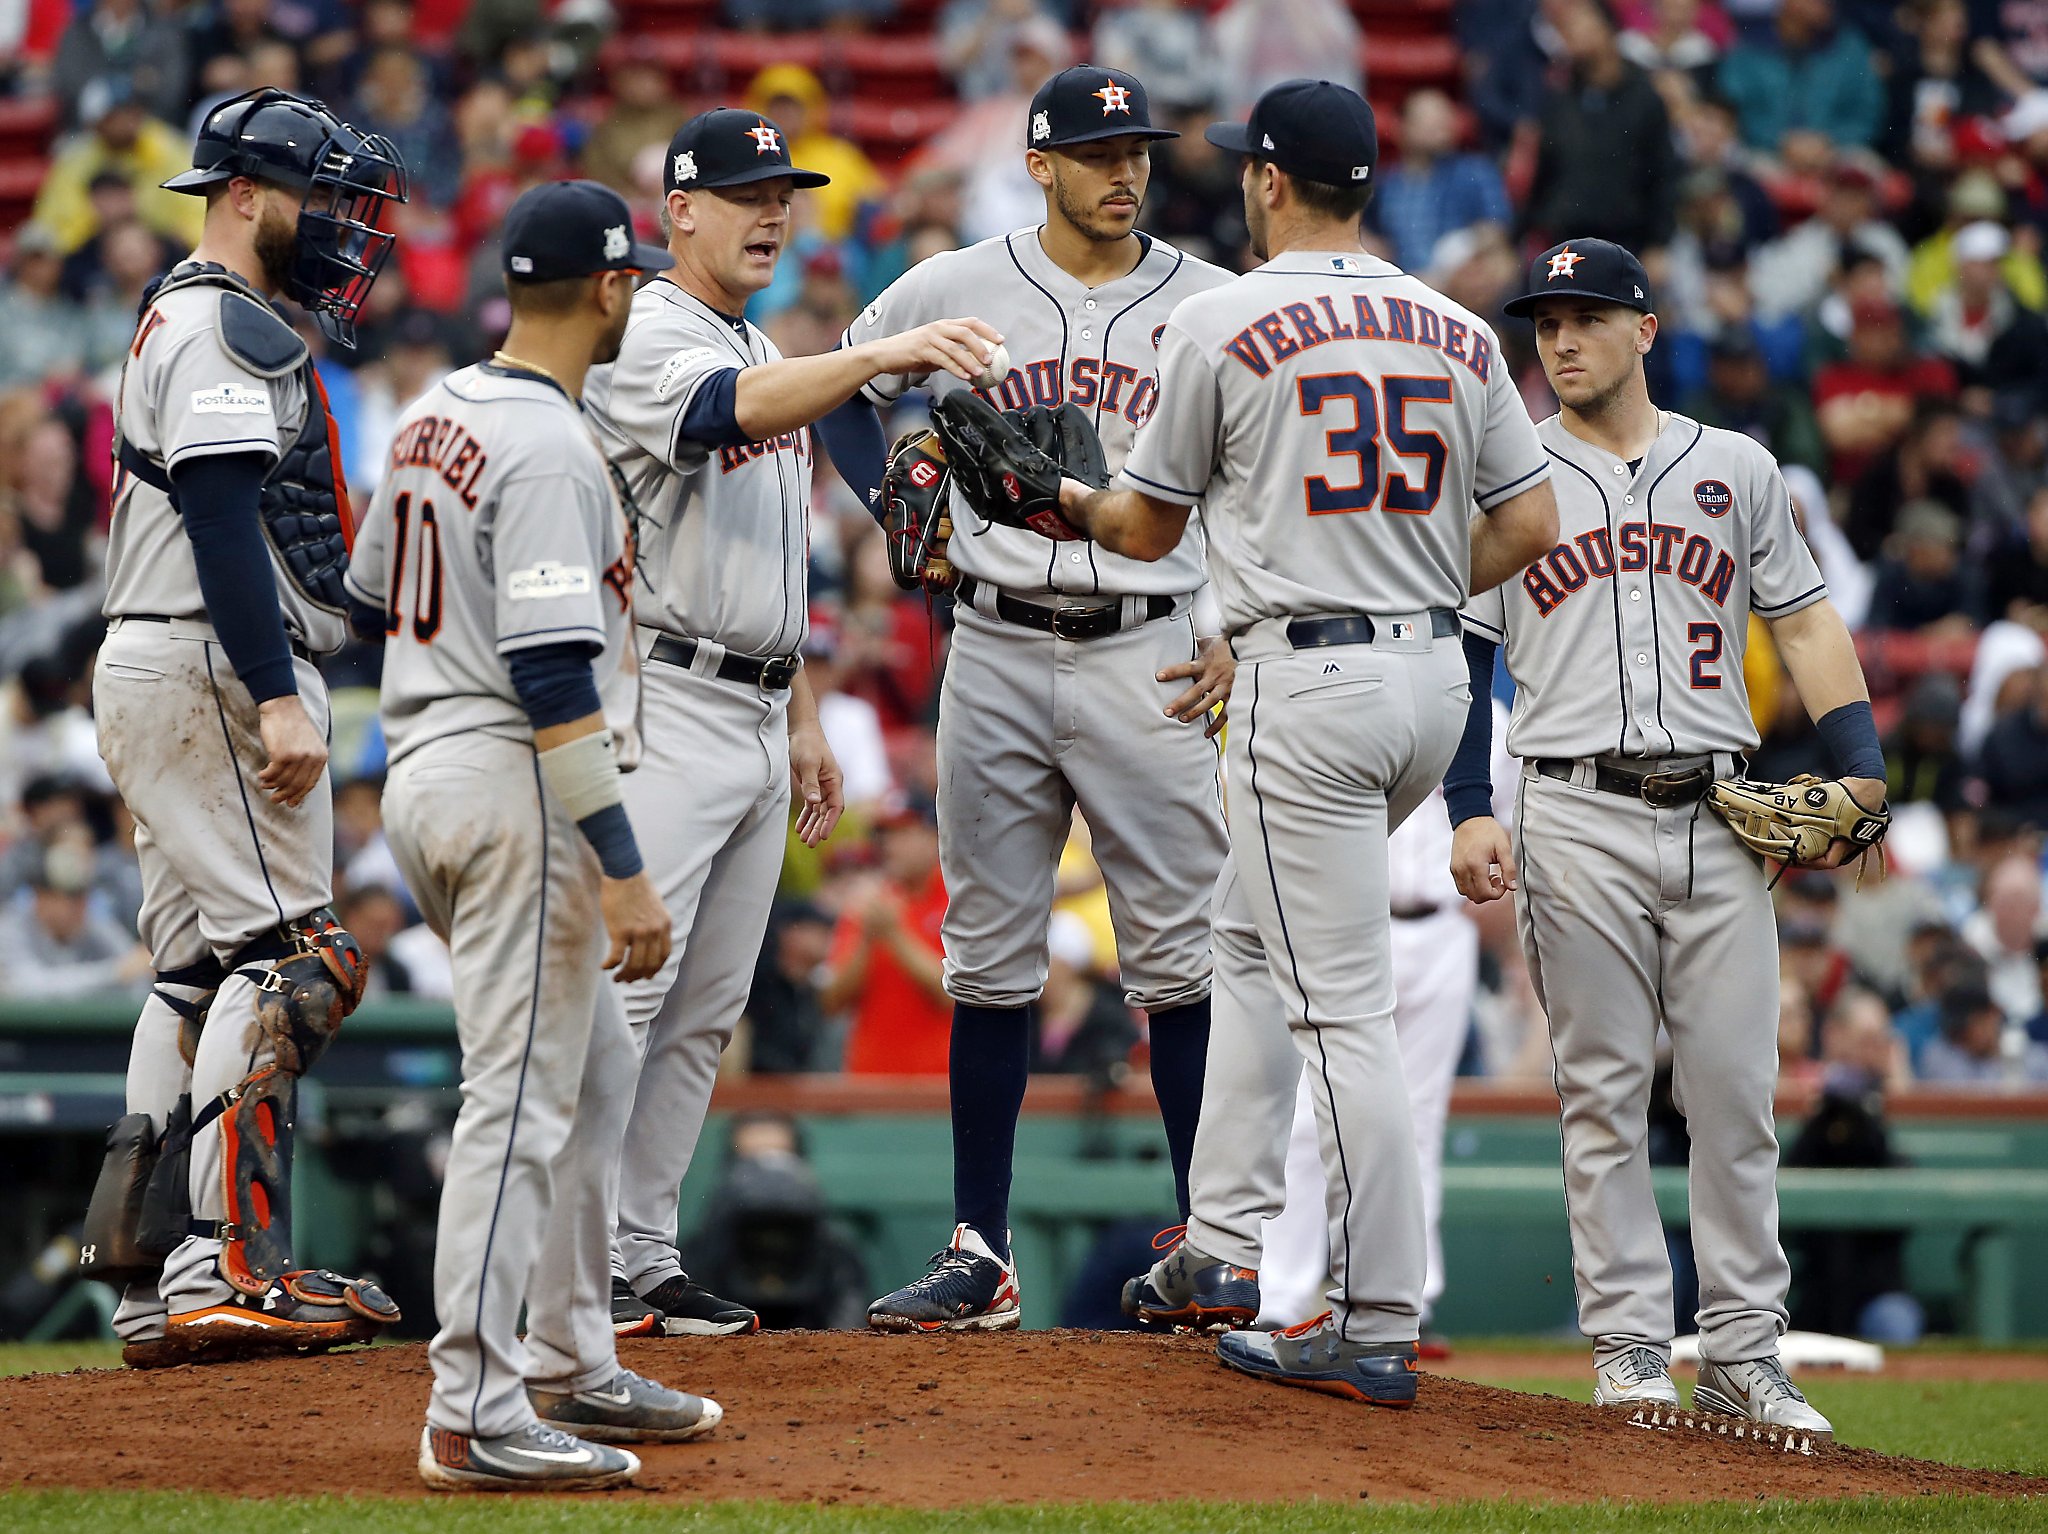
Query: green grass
point(1993, 1425)
point(163, 1513)
point(56, 1357)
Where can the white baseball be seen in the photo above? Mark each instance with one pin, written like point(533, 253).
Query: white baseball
point(995, 370)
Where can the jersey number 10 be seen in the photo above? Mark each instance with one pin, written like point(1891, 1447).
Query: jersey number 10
point(1360, 442)
point(426, 599)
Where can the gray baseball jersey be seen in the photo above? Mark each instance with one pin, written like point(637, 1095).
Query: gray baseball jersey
point(494, 529)
point(183, 396)
point(719, 524)
point(1628, 637)
point(1337, 419)
point(1098, 347)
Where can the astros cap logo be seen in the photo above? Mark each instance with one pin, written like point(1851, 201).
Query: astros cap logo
point(766, 139)
point(686, 166)
point(1114, 98)
point(1563, 264)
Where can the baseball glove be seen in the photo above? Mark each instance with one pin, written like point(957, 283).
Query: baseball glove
point(1796, 822)
point(1002, 470)
point(915, 487)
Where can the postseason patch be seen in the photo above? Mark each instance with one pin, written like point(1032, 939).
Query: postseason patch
point(1714, 498)
point(544, 581)
point(679, 364)
point(231, 399)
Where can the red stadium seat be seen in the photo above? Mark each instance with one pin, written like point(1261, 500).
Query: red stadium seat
point(1391, 60)
point(27, 125)
point(890, 129)
point(739, 56)
point(902, 66)
point(20, 180)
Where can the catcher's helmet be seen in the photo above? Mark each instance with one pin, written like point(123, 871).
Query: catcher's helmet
point(346, 178)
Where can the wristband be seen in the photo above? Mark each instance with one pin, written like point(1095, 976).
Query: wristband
point(1850, 735)
point(583, 774)
point(610, 835)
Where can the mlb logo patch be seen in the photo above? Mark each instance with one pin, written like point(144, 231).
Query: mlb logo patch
point(1714, 497)
point(1400, 631)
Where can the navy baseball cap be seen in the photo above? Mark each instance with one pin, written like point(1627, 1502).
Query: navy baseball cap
point(1585, 269)
point(728, 147)
point(1309, 128)
point(1089, 102)
point(563, 229)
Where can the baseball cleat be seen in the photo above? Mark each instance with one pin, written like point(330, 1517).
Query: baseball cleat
point(965, 1288)
point(1189, 1288)
point(631, 1315)
point(152, 1353)
point(1639, 1377)
point(687, 1309)
point(534, 1458)
point(1759, 1390)
point(629, 1409)
point(1314, 1357)
point(311, 1310)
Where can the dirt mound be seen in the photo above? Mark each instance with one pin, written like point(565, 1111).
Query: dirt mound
point(930, 1422)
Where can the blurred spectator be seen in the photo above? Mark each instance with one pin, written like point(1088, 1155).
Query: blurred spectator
point(1799, 1068)
point(1434, 190)
point(1866, 401)
point(1927, 464)
point(1811, 74)
point(54, 503)
point(394, 98)
point(1979, 326)
point(2016, 574)
point(1582, 187)
point(1935, 84)
point(2013, 764)
point(976, 40)
point(1740, 396)
point(1970, 1050)
point(1163, 43)
point(1921, 756)
point(1853, 1281)
point(803, 15)
point(1711, 134)
point(1808, 957)
point(111, 198)
point(767, 1240)
point(416, 356)
point(1084, 1028)
point(791, 97)
point(1936, 959)
point(130, 258)
point(50, 807)
point(1922, 581)
point(44, 339)
point(2000, 679)
point(1791, 274)
point(886, 959)
point(1194, 200)
point(121, 37)
point(2012, 472)
point(1259, 43)
point(1666, 36)
point(1504, 65)
point(1975, 197)
point(374, 918)
point(986, 142)
point(851, 724)
point(2005, 929)
point(786, 1024)
point(643, 111)
point(2012, 42)
point(54, 946)
point(120, 138)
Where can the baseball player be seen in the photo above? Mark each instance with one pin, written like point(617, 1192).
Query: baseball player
point(1064, 681)
point(224, 563)
point(499, 560)
point(1636, 910)
point(1335, 418)
point(710, 426)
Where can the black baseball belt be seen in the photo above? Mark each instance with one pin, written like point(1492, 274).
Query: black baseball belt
point(1659, 782)
point(298, 646)
point(770, 673)
point(1357, 628)
point(1095, 622)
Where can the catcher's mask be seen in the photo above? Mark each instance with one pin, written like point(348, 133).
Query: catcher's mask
point(348, 182)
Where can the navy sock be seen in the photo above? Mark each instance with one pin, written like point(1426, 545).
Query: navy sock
point(1180, 1053)
point(989, 1063)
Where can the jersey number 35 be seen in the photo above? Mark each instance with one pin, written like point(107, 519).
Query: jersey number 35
point(1360, 442)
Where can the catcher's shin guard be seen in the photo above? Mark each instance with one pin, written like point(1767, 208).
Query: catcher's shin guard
point(312, 980)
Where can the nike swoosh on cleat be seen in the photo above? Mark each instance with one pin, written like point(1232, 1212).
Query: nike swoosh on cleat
point(564, 1457)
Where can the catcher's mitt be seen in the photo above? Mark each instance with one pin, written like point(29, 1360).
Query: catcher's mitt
point(1796, 822)
point(1002, 470)
point(915, 487)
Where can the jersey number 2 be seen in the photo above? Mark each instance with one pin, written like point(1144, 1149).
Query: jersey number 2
point(1360, 442)
point(1705, 639)
point(426, 600)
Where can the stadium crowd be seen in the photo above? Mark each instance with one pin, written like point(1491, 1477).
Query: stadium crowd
point(1841, 202)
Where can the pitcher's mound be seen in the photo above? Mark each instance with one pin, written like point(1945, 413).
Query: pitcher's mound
point(931, 1422)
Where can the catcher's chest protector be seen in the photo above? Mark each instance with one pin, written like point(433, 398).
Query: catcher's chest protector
point(304, 503)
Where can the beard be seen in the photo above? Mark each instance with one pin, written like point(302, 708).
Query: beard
point(276, 236)
point(615, 337)
point(1090, 221)
point(1255, 223)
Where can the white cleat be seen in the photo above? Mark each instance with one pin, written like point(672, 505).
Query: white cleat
point(535, 1458)
point(1759, 1390)
point(1639, 1377)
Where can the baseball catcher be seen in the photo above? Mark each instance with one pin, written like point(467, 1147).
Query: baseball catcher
point(1798, 822)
